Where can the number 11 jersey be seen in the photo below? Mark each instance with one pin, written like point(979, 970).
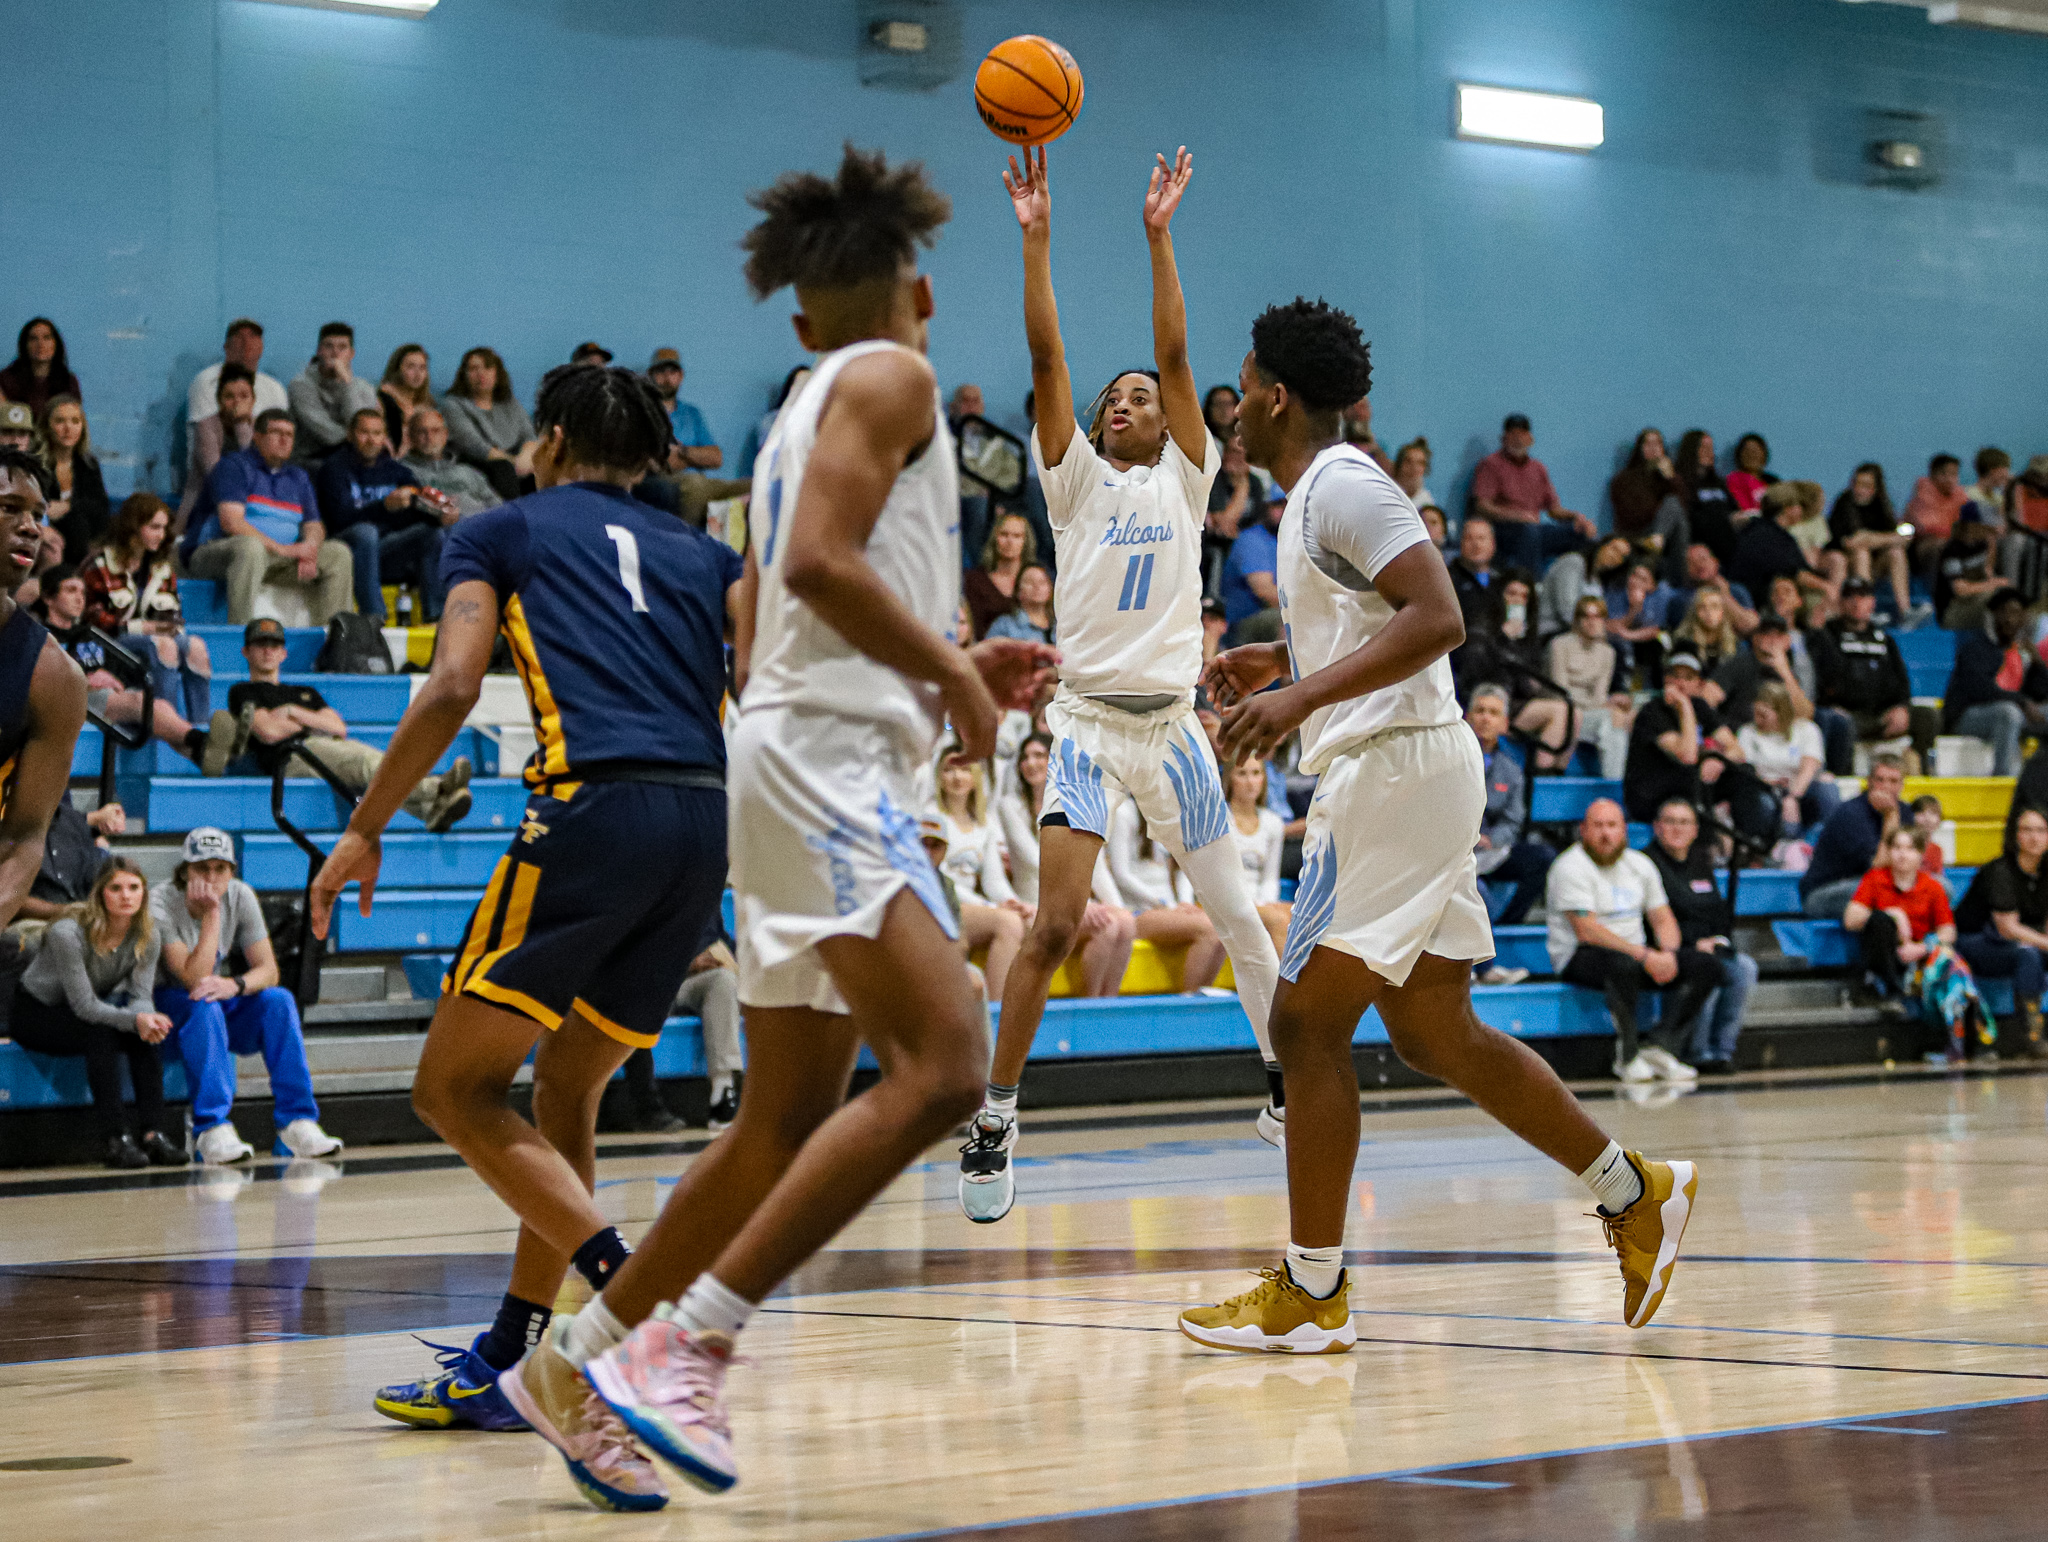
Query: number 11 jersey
point(1129, 595)
point(615, 615)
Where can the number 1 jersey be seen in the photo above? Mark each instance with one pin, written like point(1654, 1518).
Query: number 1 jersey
point(1129, 594)
point(615, 615)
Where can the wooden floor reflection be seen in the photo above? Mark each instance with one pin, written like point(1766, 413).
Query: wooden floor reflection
point(1856, 1346)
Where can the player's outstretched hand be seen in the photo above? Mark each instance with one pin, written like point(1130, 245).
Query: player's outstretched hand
point(1162, 196)
point(355, 859)
point(1233, 676)
point(1030, 192)
point(1013, 669)
point(1255, 728)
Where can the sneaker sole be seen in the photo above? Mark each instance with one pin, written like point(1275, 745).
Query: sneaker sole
point(415, 1417)
point(655, 1434)
point(601, 1494)
point(1305, 1340)
point(1271, 1130)
point(1685, 1185)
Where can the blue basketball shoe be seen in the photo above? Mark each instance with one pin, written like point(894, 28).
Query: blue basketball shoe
point(464, 1393)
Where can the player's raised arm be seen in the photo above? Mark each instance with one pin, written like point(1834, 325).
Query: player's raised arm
point(1178, 398)
point(1031, 196)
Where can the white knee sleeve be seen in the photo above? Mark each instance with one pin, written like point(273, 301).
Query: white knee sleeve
point(1217, 876)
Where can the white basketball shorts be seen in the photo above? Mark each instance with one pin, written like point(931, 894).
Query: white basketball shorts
point(1162, 759)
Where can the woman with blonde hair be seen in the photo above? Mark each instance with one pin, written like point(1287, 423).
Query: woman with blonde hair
point(1260, 835)
point(80, 508)
point(1786, 752)
point(1707, 631)
point(88, 993)
point(991, 915)
point(403, 391)
point(990, 586)
point(1107, 930)
point(1583, 661)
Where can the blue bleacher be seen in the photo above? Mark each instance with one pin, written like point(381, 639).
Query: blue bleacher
point(238, 803)
point(460, 859)
point(159, 759)
point(224, 643)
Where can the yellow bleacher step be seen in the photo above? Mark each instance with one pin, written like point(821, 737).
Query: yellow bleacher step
point(1979, 841)
point(1966, 797)
point(1152, 971)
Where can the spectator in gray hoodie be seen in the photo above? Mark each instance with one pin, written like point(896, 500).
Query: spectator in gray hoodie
point(437, 466)
point(326, 395)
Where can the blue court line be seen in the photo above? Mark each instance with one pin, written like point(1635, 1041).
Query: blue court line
point(1884, 1429)
point(1449, 1482)
point(1417, 1472)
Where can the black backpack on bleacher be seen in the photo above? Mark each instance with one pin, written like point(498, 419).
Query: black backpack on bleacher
point(354, 646)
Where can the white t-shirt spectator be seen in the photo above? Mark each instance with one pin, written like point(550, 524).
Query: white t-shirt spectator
point(1260, 853)
point(1776, 757)
point(1618, 897)
point(200, 403)
point(974, 861)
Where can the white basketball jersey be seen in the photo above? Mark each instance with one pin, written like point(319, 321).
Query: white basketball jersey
point(1346, 519)
point(1129, 594)
point(798, 660)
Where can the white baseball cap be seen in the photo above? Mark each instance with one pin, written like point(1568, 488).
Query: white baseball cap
point(206, 844)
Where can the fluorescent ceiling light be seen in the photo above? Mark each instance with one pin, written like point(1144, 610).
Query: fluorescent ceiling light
point(1529, 118)
point(412, 8)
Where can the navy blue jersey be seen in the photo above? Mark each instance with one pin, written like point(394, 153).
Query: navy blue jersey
point(615, 613)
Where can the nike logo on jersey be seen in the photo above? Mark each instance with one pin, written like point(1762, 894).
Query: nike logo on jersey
point(1131, 533)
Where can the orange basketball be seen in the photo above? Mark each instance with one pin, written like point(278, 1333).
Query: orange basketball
point(1028, 90)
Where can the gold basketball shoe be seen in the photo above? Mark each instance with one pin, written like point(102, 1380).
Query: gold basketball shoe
point(1277, 1316)
point(1646, 1235)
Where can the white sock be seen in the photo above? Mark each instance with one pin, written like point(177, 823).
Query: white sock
point(1216, 873)
point(708, 1307)
point(590, 1333)
point(1000, 1100)
point(1614, 1182)
point(720, 1086)
point(1315, 1270)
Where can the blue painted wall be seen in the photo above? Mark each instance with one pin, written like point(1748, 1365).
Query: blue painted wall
point(528, 173)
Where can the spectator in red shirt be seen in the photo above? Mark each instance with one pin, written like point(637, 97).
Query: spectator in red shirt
point(1937, 499)
point(1909, 936)
point(1512, 488)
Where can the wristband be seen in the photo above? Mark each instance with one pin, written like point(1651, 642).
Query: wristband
point(241, 984)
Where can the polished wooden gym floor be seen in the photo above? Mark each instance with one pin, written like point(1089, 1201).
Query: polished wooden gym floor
point(1855, 1347)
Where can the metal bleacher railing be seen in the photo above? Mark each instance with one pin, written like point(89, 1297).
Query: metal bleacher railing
point(115, 737)
point(305, 981)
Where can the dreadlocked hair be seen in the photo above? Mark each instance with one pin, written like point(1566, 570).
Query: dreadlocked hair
point(24, 463)
point(608, 416)
point(1316, 351)
point(1098, 410)
point(838, 234)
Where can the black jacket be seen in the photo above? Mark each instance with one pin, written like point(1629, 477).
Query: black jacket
point(1696, 899)
point(1974, 680)
point(1858, 670)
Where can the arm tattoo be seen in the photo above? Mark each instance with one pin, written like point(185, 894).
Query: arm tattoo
point(465, 610)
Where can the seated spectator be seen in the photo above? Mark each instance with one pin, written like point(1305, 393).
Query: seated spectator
point(486, 424)
point(106, 693)
point(1219, 411)
point(1909, 936)
point(1865, 528)
point(1785, 751)
point(1249, 588)
point(1439, 532)
point(1768, 549)
point(1356, 422)
point(1966, 572)
point(270, 715)
point(1928, 819)
point(1156, 893)
point(1030, 618)
point(1472, 577)
point(1848, 842)
point(1994, 475)
point(1504, 857)
point(1575, 576)
point(1703, 571)
point(1236, 499)
point(694, 452)
point(710, 992)
point(991, 915)
point(229, 427)
point(1260, 834)
point(1811, 531)
point(75, 848)
point(1937, 499)
point(1512, 488)
point(1709, 507)
point(326, 395)
point(1635, 625)
point(87, 993)
point(1765, 660)
point(1605, 903)
point(80, 508)
point(1858, 668)
point(1750, 479)
point(1649, 502)
point(18, 428)
point(1107, 929)
point(403, 391)
point(990, 587)
point(430, 460)
point(258, 522)
point(375, 506)
point(1411, 472)
point(1680, 748)
point(1583, 661)
point(242, 349)
point(1706, 924)
point(1706, 631)
point(205, 916)
point(1997, 687)
point(2002, 922)
point(41, 369)
point(131, 589)
point(1511, 654)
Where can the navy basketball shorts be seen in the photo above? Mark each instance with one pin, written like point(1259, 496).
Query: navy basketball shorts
point(606, 895)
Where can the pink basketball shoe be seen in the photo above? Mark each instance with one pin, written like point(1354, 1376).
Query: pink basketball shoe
point(668, 1385)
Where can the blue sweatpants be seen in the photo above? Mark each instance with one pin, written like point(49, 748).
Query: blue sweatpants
point(210, 1034)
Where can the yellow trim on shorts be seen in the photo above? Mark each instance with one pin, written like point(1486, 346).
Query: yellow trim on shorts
point(479, 936)
point(612, 1030)
point(525, 879)
point(518, 1001)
